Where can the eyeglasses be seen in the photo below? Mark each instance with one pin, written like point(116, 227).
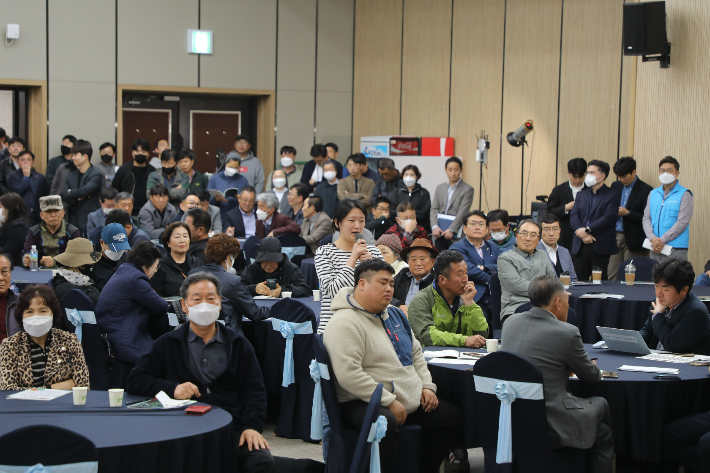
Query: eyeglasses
point(477, 224)
point(551, 230)
point(5, 273)
point(527, 235)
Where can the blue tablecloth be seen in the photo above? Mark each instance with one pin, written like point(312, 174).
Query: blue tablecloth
point(23, 277)
point(308, 268)
point(129, 439)
point(640, 405)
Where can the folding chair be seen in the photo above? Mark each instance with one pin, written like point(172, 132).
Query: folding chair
point(496, 294)
point(250, 247)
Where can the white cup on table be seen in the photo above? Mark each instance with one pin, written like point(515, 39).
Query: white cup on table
point(115, 397)
point(286, 295)
point(316, 295)
point(79, 394)
point(491, 345)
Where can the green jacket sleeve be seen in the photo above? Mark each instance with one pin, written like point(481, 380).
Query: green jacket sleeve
point(446, 339)
point(421, 320)
point(475, 320)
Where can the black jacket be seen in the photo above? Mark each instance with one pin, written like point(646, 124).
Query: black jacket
point(7, 167)
point(687, 331)
point(559, 197)
point(239, 389)
point(402, 283)
point(600, 211)
point(169, 277)
point(310, 166)
point(379, 226)
point(329, 195)
point(85, 187)
point(124, 181)
point(12, 239)
point(234, 218)
point(62, 288)
point(386, 189)
point(287, 275)
point(197, 249)
point(633, 229)
point(104, 269)
point(420, 199)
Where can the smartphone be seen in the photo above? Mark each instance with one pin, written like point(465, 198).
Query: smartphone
point(271, 283)
point(666, 377)
point(610, 374)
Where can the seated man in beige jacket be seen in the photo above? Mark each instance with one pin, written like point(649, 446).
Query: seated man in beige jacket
point(357, 186)
point(370, 343)
point(316, 224)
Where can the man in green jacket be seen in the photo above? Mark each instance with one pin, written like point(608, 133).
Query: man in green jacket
point(444, 314)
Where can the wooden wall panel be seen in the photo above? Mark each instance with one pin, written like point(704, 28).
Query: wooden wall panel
point(672, 115)
point(476, 87)
point(532, 59)
point(378, 67)
point(590, 82)
point(426, 67)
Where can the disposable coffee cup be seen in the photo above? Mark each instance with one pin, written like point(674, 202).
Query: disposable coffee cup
point(286, 295)
point(79, 395)
point(596, 275)
point(630, 273)
point(491, 345)
point(630, 277)
point(565, 278)
point(316, 294)
point(115, 397)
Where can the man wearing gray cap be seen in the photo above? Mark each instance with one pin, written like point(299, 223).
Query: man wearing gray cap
point(51, 235)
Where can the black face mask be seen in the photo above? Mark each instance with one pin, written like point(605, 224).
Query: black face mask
point(106, 158)
point(66, 150)
point(140, 158)
point(169, 171)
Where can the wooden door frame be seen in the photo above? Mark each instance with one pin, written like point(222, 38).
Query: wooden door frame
point(36, 118)
point(265, 114)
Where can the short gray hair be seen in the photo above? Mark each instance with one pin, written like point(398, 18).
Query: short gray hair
point(543, 289)
point(539, 229)
point(197, 278)
point(124, 196)
point(268, 199)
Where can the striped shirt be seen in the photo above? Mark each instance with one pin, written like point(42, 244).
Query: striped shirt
point(333, 275)
point(38, 356)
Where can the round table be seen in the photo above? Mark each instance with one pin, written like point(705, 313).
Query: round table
point(131, 440)
point(640, 406)
point(308, 268)
point(23, 277)
point(629, 313)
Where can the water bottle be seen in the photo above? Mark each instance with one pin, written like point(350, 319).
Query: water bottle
point(34, 259)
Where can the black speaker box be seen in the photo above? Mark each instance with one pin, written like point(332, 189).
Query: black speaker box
point(645, 29)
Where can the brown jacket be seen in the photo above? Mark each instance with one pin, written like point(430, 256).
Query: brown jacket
point(323, 226)
point(65, 361)
point(365, 187)
point(280, 224)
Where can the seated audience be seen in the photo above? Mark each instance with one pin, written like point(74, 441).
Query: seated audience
point(222, 251)
point(411, 191)
point(327, 189)
point(481, 257)
point(250, 167)
point(213, 210)
point(190, 201)
point(97, 218)
point(227, 178)
point(519, 266)
point(297, 195)
point(288, 166)
point(132, 176)
point(363, 355)
point(129, 317)
point(379, 220)
point(444, 313)
point(454, 198)
point(240, 222)
point(107, 167)
point(171, 177)
point(124, 201)
point(271, 264)
point(68, 143)
point(559, 256)
point(80, 191)
point(39, 356)
point(356, 186)
point(52, 235)
point(15, 225)
point(75, 266)
point(279, 187)
point(29, 184)
point(389, 183)
point(313, 170)
point(390, 247)
point(199, 223)
point(114, 244)
point(544, 338)
point(157, 213)
point(420, 258)
point(499, 228)
point(269, 221)
point(186, 162)
point(316, 223)
point(231, 380)
point(8, 299)
point(135, 234)
point(562, 197)
point(406, 228)
point(335, 262)
point(679, 321)
point(176, 264)
point(703, 279)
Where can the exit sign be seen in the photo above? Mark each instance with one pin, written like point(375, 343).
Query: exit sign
point(199, 42)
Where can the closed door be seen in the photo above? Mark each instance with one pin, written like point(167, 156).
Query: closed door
point(210, 131)
point(153, 125)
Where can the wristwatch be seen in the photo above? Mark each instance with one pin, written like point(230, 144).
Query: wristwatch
point(588, 230)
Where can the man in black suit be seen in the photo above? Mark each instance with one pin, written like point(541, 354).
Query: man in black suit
point(629, 229)
point(240, 222)
point(593, 219)
point(562, 197)
point(313, 169)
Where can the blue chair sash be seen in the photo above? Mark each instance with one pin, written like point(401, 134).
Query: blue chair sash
point(292, 251)
point(377, 433)
point(507, 392)
point(288, 331)
point(318, 371)
point(84, 467)
point(80, 317)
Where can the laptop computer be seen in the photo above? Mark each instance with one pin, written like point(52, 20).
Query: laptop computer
point(626, 341)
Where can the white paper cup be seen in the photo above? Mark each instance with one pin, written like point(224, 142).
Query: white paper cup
point(79, 395)
point(491, 345)
point(316, 294)
point(286, 295)
point(115, 397)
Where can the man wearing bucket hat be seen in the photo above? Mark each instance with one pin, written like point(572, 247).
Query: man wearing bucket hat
point(420, 256)
point(75, 266)
point(114, 244)
point(272, 273)
point(51, 235)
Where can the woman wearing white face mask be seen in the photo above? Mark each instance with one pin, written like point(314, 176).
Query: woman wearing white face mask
point(227, 178)
point(279, 187)
point(221, 252)
point(39, 355)
point(114, 245)
point(410, 190)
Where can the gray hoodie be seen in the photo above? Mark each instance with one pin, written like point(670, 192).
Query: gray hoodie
point(254, 170)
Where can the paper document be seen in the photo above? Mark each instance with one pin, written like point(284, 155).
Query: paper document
point(444, 221)
point(665, 251)
point(441, 354)
point(673, 358)
point(650, 369)
point(264, 298)
point(449, 361)
point(601, 296)
point(169, 403)
point(38, 394)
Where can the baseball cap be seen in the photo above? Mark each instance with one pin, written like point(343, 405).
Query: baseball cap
point(50, 202)
point(269, 250)
point(114, 235)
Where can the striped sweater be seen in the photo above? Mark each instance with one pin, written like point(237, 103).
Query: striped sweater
point(333, 275)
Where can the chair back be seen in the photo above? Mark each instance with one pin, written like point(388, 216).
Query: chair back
point(50, 446)
point(496, 294)
point(362, 448)
point(325, 240)
point(644, 268)
point(292, 245)
point(523, 308)
point(250, 247)
point(97, 360)
point(330, 395)
point(75, 299)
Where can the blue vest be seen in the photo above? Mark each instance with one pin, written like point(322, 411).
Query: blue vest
point(664, 214)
